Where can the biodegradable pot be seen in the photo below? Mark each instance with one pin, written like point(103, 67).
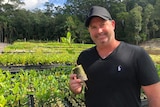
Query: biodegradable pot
point(144, 103)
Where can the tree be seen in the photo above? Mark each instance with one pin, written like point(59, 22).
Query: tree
point(147, 16)
point(133, 24)
point(135, 19)
point(7, 11)
point(49, 9)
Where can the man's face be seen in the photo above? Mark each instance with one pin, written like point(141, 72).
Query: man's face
point(101, 31)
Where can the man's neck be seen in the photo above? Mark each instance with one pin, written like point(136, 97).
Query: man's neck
point(106, 50)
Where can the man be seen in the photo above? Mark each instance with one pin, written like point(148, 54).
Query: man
point(116, 70)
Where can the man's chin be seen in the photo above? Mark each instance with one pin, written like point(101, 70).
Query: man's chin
point(103, 41)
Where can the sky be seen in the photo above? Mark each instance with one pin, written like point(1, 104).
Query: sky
point(32, 4)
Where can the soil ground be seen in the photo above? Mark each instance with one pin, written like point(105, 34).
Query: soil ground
point(152, 46)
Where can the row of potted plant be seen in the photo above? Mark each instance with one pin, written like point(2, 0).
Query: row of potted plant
point(45, 87)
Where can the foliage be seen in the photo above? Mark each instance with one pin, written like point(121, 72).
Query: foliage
point(34, 53)
point(128, 15)
point(46, 86)
point(68, 40)
point(55, 21)
point(158, 69)
point(156, 58)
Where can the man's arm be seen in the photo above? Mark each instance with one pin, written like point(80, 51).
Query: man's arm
point(153, 94)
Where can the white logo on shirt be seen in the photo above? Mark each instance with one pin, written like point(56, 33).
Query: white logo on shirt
point(119, 68)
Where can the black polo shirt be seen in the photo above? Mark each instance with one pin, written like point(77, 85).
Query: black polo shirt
point(116, 80)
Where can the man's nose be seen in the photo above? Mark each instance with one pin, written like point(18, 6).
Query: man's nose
point(100, 29)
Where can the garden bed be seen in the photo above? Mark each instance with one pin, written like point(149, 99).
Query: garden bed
point(49, 84)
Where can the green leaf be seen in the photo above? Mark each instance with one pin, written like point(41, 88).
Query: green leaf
point(3, 101)
point(63, 39)
point(69, 37)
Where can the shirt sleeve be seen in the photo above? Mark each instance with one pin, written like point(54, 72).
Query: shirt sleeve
point(147, 72)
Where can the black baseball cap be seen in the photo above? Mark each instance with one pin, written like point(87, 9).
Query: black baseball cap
point(97, 11)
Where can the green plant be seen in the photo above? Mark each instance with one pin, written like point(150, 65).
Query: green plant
point(30, 53)
point(158, 69)
point(69, 41)
point(47, 87)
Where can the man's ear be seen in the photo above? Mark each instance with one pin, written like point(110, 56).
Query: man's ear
point(113, 23)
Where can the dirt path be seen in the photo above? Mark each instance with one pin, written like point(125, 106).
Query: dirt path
point(2, 46)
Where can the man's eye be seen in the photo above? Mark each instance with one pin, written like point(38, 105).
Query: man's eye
point(93, 27)
point(103, 24)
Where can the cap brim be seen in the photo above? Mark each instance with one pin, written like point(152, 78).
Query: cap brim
point(89, 19)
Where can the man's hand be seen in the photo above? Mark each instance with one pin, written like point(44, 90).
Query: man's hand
point(75, 84)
